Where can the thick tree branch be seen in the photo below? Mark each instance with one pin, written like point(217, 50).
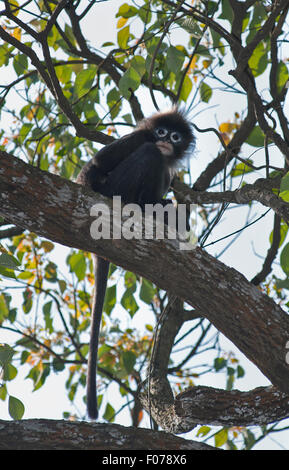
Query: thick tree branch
point(260, 406)
point(250, 319)
point(44, 434)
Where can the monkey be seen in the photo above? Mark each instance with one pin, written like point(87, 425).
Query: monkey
point(139, 167)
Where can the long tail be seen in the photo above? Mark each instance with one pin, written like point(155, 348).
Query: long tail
point(101, 275)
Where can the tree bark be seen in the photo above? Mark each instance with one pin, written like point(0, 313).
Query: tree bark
point(45, 434)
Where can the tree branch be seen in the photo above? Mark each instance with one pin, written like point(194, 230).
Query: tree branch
point(260, 191)
point(253, 322)
point(212, 406)
point(44, 434)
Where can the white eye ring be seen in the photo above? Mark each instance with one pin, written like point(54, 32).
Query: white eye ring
point(161, 132)
point(175, 137)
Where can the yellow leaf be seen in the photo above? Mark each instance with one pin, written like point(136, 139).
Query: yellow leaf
point(121, 22)
point(110, 130)
point(193, 64)
point(30, 114)
point(14, 5)
point(206, 63)
point(227, 127)
point(17, 34)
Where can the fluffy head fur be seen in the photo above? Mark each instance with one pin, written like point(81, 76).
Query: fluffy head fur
point(172, 120)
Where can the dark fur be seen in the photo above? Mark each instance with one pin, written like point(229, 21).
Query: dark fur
point(135, 168)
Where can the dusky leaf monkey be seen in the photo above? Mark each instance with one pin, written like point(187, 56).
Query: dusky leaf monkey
point(139, 167)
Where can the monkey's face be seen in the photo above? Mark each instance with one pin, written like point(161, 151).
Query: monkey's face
point(172, 134)
point(168, 141)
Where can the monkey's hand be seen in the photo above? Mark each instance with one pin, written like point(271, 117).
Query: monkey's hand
point(92, 176)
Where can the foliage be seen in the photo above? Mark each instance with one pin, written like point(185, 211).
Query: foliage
point(73, 95)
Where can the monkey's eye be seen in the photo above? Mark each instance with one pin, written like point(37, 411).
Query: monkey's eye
point(161, 132)
point(176, 137)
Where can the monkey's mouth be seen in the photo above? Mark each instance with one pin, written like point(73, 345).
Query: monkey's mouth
point(165, 147)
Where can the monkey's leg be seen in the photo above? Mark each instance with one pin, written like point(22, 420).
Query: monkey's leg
point(101, 274)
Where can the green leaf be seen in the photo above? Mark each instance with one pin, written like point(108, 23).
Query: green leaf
point(9, 372)
point(284, 184)
point(51, 272)
point(284, 259)
point(77, 264)
point(4, 54)
point(203, 431)
point(6, 354)
point(282, 283)
point(227, 12)
point(20, 63)
point(191, 26)
point(129, 360)
point(130, 81)
point(47, 317)
point(259, 59)
point(219, 363)
point(204, 51)
point(63, 73)
point(138, 63)
point(24, 131)
point(186, 88)
point(240, 372)
point(256, 138)
point(230, 382)
point(110, 299)
point(109, 413)
point(126, 11)
point(3, 392)
point(122, 37)
point(282, 76)
point(145, 14)
point(38, 376)
point(283, 233)
point(28, 300)
point(62, 285)
point(83, 82)
point(129, 303)
point(221, 437)
point(24, 275)
point(205, 92)
point(147, 291)
point(175, 59)
point(9, 261)
point(15, 407)
point(4, 310)
point(249, 439)
point(259, 14)
point(113, 100)
point(58, 365)
point(7, 272)
point(241, 168)
point(217, 43)
point(130, 280)
point(284, 195)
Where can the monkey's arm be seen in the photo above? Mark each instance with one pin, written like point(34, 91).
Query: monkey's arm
point(110, 156)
